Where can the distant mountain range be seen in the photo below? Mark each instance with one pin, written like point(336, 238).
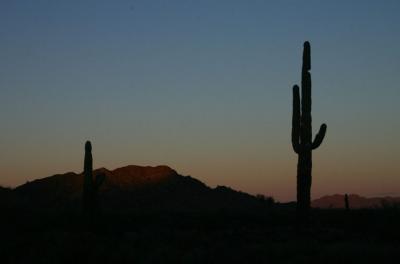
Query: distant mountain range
point(133, 188)
point(355, 201)
point(160, 188)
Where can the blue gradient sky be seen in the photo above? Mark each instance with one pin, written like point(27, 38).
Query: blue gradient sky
point(201, 86)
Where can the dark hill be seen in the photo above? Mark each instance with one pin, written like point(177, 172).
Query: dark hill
point(355, 201)
point(133, 188)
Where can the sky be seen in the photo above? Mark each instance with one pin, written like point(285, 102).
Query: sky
point(204, 87)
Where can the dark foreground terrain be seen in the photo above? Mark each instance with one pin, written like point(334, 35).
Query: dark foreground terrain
point(270, 236)
point(155, 215)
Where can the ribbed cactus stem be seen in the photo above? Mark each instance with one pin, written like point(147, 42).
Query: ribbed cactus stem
point(90, 187)
point(302, 135)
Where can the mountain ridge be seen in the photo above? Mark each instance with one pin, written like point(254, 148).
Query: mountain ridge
point(355, 201)
point(134, 187)
point(157, 187)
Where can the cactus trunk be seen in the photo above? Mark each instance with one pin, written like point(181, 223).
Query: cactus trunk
point(90, 187)
point(302, 135)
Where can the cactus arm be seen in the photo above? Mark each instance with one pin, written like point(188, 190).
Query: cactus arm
point(296, 120)
point(319, 137)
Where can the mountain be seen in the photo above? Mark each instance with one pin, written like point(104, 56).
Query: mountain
point(133, 188)
point(355, 201)
point(7, 198)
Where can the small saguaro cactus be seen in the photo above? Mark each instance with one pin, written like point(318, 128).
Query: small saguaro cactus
point(346, 202)
point(302, 135)
point(90, 186)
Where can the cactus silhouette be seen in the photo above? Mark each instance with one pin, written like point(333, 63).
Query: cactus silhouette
point(346, 202)
point(90, 186)
point(302, 135)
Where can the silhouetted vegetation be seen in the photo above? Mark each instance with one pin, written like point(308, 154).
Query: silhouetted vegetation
point(266, 200)
point(346, 202)
point(90, 186)
point(302, 136)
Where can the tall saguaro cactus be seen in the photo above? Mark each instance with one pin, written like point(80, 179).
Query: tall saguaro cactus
point(90, 186)
point(302, 135)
